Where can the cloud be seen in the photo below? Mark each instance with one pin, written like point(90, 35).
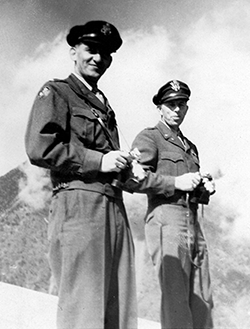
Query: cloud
point(219, 66)
point(34, 189)
point(18, 90)
point(217, 57)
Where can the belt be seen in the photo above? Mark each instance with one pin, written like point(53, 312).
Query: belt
point(180, 198)
point(97, 187)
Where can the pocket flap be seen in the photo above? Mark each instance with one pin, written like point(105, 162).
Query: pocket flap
point(172, 156)
point(83, 112)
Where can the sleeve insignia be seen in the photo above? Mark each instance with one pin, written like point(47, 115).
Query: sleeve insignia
point(44, 92)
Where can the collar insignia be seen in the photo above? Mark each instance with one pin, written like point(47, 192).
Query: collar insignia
point(175, 85)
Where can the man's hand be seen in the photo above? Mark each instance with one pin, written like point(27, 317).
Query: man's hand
point(187, 182)
point(114, 161)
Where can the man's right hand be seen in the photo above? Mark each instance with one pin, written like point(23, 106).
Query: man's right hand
point(114, 161)
point(187, 182)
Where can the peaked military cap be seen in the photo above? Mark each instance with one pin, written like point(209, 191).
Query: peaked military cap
point(173, 89)
point(98, 32)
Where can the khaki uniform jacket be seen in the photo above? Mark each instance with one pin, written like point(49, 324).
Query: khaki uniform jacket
point(164, 157)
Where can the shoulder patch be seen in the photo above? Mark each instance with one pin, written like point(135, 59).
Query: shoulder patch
point(44, 92)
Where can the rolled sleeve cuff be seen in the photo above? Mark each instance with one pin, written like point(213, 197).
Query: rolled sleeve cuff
point(169, 186)
point(92, 162)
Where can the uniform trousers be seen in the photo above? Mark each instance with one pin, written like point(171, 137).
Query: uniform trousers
point(91, 256)
point(179, 253)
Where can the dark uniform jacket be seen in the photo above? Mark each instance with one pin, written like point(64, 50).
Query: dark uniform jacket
point(64, 135)
point(164, 157)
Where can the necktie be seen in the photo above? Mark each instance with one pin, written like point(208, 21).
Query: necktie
point(181, 138)
point(99, 94)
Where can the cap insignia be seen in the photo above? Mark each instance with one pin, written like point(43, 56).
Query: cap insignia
point(175, 85)
point(106, 29)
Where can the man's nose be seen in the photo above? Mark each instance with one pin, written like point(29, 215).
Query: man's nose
point(97, 57)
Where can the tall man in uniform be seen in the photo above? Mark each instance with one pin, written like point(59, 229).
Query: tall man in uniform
point(72, 132)
point(174, 237)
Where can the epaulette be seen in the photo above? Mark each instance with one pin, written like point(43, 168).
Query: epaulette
point(150, 128)
point(59, 80)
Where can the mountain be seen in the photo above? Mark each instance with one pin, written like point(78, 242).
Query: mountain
point(9, 188)
point(23, 240)
point(24, 202)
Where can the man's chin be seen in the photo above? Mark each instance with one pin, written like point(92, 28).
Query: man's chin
point(96, 75)
point(175, 124)
point(92, 76)
point(178, 122)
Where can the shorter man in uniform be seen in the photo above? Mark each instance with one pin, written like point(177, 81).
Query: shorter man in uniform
point(175, 187)
point(72, 131)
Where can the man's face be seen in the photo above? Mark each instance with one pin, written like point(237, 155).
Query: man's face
point(173, 112)
point(91, 61)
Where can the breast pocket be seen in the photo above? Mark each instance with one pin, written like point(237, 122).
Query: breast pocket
point(172, 163)
point(83, 123)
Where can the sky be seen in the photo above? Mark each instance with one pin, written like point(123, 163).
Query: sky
point(203, 43)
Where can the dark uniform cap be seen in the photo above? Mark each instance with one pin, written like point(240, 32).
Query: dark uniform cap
point(98, 32)
point(173, 89)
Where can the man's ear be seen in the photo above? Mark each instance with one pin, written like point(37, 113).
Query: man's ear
point(72, 53)
point(110, 61)
point(159, 109)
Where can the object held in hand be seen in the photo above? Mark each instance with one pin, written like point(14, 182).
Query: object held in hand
point(135, 154)
point(201, 194)
point(133, 173)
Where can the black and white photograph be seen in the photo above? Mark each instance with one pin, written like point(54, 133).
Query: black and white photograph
point(124, 164)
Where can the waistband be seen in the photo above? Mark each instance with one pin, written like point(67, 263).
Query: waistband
point(97, 187)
